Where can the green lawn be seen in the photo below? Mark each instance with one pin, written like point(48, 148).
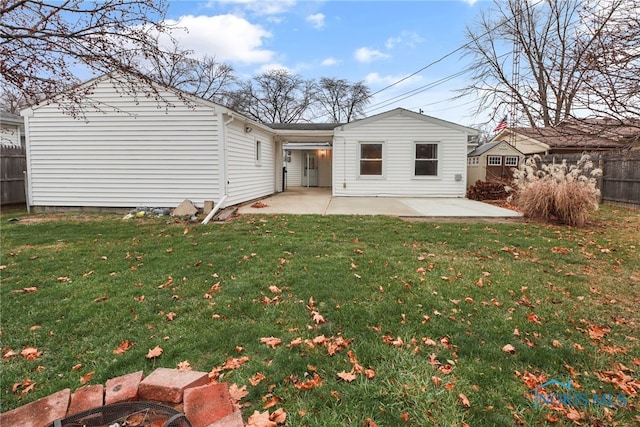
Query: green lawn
point(419, 312)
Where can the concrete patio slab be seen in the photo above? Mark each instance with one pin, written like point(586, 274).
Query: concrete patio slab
point(304, 201)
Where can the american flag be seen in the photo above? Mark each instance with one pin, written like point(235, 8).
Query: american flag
point(501, 125)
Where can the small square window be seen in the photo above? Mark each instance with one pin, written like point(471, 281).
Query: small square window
point(511, 161)
point(494, 160)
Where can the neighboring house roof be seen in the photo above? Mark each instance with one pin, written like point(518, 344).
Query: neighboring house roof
point(402, 111)
point(11, 119)
point(488, 147)
point(304, 126)
point(562, 138)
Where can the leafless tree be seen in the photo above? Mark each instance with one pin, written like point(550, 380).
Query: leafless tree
point(45, 43)
point(203, 77)
point(613, 86)
point(275, 96)
point(558, 40)
point(341, 100)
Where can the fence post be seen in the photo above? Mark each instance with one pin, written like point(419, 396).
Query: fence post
point(600, 179)
point(26, 192)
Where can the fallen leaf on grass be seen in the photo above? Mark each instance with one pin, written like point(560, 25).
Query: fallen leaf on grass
point(101, 299)
point(509, 349)
point(273, 401)
point(26, 386)
point(271, 342)
point(30, 353)
point(256, 379)
point(87, 377)
point(274, 289)
point(123, 347)
point(171, 316)
point(279, 416)
point(237, 393)
point(597, 332)
point(464, 400)
point(260, 420)
point(404, 417)
point(28, 290)
point(184, 366)
point(76, 367)
point(155, 352)
point(533, 318)
point(347, 376)
point(310, 384)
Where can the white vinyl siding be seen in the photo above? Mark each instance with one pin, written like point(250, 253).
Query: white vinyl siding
point(400, 131)
point(143, 153)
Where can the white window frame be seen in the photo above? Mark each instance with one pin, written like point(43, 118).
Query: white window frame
point(359, 159)
point(437, 159)
point(490, 163)
point(257, 157)
point(508, 163)
point(476, 160)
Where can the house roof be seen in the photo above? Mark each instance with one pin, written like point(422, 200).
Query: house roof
point(10, 118)
point(402, 111)
point(564, 137)
point(488, 147)
point(304, 126)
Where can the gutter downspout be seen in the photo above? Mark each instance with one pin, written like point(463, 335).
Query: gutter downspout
point(223, 168)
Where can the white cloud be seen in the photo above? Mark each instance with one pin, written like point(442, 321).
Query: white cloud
point(408, 38)
point(375, 79)
point(328, 62)
point(470, 2)
point(316, 20)
point(364, 54)
point(227, 37)
point(273, 66)
point(261, 7)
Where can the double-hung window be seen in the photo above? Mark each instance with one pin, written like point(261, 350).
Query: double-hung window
point(371, 159)
point(426, 159)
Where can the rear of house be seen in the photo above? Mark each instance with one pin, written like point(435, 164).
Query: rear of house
point(400, 153)
point(139, 151)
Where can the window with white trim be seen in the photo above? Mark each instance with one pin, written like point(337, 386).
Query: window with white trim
point(370, 159)
point(494, 160)
point(476, 160)
point(258, 157)
point(511, 161)
point(426, 159)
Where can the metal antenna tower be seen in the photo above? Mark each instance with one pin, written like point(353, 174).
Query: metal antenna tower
point(515, 68)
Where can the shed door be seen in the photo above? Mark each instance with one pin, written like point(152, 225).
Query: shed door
point(310, 172)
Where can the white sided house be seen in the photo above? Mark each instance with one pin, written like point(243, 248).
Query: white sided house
point(144, 152)
point(401, 153)
point(158, 150)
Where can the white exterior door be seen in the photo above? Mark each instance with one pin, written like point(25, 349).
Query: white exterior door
point(310, 169)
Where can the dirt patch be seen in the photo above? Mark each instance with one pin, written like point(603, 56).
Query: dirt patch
point(51, 217)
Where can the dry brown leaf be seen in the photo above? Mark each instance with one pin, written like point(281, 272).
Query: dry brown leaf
point(464, 400)
point(101, 299)
point(155, 352)
point(260, 420)
point(274, 289)
point(237, 393)
point(347, 376)
point(256, 379)
point(368, 422)
point(87, 377)
point(437, 381)
point(370, 373)
point(597, 332)
point(279, 416)
point(184, 366)
point(404, 417)
point(171, 315)
point(123, 347)
point(533, 318)
point(271, 342)
point(271, 402)
point(28, 290)
point(30, 353)
point(509, 349)
point(76, 367)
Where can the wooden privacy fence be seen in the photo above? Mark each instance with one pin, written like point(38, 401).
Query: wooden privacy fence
point(13, 164)
point(620, 181)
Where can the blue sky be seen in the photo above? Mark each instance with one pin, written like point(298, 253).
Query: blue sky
point(378, 42)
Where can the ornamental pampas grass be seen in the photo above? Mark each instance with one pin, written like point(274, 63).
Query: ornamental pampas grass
point(566, 193)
